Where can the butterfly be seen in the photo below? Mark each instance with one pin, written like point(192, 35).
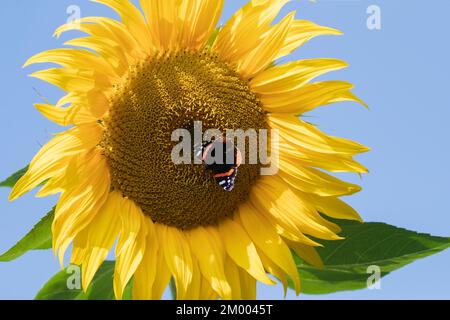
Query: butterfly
point(224, 172)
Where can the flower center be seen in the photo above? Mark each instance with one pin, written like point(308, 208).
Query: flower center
point(167, 93)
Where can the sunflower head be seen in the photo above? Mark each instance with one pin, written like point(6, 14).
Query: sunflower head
point(130, 84)
point(193, 87)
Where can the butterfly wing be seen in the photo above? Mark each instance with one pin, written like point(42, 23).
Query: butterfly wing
point(227, 180)
point(224, 173)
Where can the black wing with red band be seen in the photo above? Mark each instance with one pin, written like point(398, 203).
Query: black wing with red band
point(225, 167)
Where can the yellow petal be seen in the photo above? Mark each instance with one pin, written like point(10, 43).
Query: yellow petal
point(309, 96)
point(101, 234)
point(163, 274)
point(53, 156)
point(131, 245)
point(84, 107)
point(254, 18)
point(210, 256)
point(98, 103)
point(162, 17)
point(134, 21)
point(73, 98)
point(110, 31)
point(107, 48)
point(79, 249)
point(233, 277)
point(178, 258)
point(66, 116)
point(202, 22)
point(267, 240)
point(309, 137)
point(273, 195)
point(276, 271)
point(67, 79)
point(73, 59)
point(86, 189)
point(53, 185)
point(300, 32)
point(194, 291)
point(314, 181)
point(248, 285)
point(147, 272)
point(242, 251)
point(331, 162)
point(307, 253)
point(259, 58)
point(206, 292)
point(293, 75)
point(182, 24)
point(335, 208)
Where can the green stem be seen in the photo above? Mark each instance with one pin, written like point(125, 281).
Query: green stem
point(173, 289)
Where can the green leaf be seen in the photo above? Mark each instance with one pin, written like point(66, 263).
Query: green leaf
point(369, 244)
point(12, 180)
point(39, 238)
point(58, 287)
point(66, 285)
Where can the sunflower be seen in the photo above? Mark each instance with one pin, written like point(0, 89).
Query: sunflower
point(130, 84)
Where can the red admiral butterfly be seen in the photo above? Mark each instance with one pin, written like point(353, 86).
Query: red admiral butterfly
point(225, 167)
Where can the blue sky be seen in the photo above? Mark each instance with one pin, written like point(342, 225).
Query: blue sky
point(402, 71)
